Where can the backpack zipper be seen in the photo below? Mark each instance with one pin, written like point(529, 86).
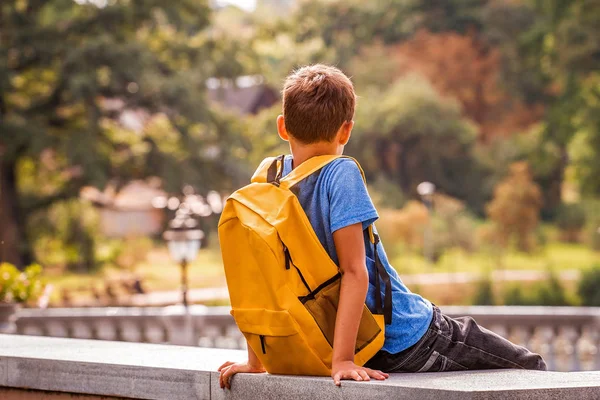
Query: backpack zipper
point(288, 261)
point(262, 343)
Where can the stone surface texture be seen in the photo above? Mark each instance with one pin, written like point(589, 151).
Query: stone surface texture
point(152, 371)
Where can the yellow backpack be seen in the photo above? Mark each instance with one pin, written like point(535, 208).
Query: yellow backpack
point(283, 286)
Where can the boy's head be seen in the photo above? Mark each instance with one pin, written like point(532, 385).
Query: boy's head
point(317, 101)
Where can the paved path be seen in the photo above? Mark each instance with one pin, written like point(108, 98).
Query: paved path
point(440, 278)
point(174, 297)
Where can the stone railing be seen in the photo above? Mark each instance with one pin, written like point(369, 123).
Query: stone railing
point(58, 368)
point(198, 325)
point(567, 337)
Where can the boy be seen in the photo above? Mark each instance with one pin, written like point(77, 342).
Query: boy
point(318, 108)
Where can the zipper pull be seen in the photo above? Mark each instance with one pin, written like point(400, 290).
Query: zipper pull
point(262, 344)
point(288, 259)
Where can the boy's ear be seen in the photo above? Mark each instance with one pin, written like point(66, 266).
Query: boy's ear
point(281, 128)
point(346, 132)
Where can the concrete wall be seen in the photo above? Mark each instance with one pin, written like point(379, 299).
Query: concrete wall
point(152, 371)
point(26, 394)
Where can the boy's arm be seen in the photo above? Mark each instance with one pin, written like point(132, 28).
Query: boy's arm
point(230, 368)
point(350, 248)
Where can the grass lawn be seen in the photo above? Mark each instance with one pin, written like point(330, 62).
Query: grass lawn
point(159, 273)
point(557, 256)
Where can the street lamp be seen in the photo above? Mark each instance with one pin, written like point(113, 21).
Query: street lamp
point(426, 191)
point(183, 240)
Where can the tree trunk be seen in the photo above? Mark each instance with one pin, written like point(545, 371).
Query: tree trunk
point(14, 247)
point(554, 182)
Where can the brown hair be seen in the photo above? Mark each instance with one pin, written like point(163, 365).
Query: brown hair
point(317, 100)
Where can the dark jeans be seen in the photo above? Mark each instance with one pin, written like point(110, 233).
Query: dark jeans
point(457, 345)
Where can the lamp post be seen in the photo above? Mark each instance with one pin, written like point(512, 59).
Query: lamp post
point(426, 191)
point(183, 240)
point(183, 236)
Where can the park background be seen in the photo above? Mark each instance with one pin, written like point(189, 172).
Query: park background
point(114, 112)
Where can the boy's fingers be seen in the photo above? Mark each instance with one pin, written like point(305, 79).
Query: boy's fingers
point(363, 374)
point(221, 384)
point(227, 376)
point(355, 375)
point(227, 364)
point(376, 374)
point(336, 379)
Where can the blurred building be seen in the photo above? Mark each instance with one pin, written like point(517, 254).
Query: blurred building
point(246, 95)
point(278, 7)
point(128, 211)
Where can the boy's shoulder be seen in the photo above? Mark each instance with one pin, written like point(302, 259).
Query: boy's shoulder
point(344, 171)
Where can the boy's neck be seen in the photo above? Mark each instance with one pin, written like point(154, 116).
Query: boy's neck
point(302, 152)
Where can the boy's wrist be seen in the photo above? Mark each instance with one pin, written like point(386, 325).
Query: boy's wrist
point(337, 360)
point(255, 365)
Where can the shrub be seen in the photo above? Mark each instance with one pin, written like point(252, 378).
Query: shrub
point(386, 193)
point(515, 208)
point(20, 286)
point(592, 230)
point(570, 219)
point(403, 226)
point(484, 295)
point(453, 225)
point(549, 292)
point(595, 239)
point(514, 296)
point(134, 251)
point(588, 287)
point(66, 235)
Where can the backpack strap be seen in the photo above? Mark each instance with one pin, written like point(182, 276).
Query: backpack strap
point(268, 170)
point(271, 169)
point(306, 169)
point(309, 167)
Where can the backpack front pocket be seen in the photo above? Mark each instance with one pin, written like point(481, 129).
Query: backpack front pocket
point(276, 340)
point(322, 304)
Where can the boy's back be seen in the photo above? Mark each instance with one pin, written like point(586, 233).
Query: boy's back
point(336, 197)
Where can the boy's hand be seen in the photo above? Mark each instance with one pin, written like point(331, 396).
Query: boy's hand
point(230, 368)
point(349, 370)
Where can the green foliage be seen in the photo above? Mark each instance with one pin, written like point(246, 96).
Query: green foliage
point(385, 194)
point(453, 225)
point(592, 229)
point(410, 134)
point(570, 219)
point(132, 251)
point(588, 287)
point(549, 292)
point(20, 287)
point(484, 294)
point(515, 296)
point(261, 135)
point(67, 235)
point(97, 104)
point(68, 83)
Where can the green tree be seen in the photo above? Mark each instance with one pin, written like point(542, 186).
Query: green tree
point(551, 56)
point(410, 134)
point(71, 74)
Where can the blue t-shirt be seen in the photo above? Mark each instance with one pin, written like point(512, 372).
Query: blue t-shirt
point(336, 197)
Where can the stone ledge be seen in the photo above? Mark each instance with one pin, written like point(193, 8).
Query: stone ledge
point(153, 371)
